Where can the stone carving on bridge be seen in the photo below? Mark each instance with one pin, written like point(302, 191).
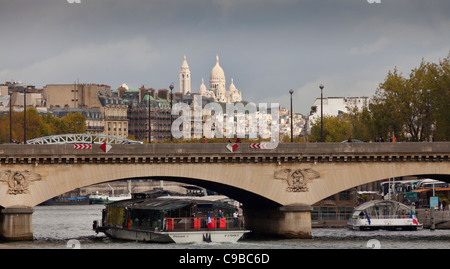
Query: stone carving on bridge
point(18, 181)
point(297, 179)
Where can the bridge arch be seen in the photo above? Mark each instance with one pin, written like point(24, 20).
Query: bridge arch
point(340, 179)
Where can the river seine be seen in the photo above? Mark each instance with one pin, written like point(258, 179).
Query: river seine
point(60, 227)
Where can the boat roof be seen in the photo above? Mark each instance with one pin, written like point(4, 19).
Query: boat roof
point(167, 202)
point(436, 189)
point(378, 202)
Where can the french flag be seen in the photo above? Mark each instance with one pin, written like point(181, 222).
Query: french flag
point(208, 222)
point(414, 219)
point(367, 216)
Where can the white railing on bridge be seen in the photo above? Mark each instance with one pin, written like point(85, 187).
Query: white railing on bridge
point(81, 139)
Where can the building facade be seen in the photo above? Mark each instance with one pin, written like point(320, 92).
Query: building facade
point(74, 95)
point(335, 106)
point(114, 114)
point(111, 116)
point(138, 113)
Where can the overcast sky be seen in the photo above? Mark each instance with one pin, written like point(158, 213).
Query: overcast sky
point(267, 46)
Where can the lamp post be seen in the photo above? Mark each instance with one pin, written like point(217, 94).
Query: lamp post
point(24, 115)
point(428, 116)
point(171, 100)
point(292, 123)
point(10, 116)
point(149, 119)
point(321, 112)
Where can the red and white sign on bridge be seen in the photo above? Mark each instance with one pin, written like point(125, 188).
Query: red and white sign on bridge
point(258, 145)
point(82, 146)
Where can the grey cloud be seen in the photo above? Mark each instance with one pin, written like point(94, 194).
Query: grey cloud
point(267, 46)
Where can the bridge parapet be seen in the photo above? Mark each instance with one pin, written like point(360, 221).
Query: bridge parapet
point(212, 153)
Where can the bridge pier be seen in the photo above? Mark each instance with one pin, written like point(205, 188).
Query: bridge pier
point(16, 224)
point(291, 221)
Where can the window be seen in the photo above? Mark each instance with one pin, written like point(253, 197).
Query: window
point(327, 213)
point(347, 195)
point(344, 213)
point(315, 213)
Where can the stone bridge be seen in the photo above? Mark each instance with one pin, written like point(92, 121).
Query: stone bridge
point(276, 186)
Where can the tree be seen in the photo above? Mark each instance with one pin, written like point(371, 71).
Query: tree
point(39, 126)
point(70, 124)
point(74, 123)
point(335, 129)
point(4, 128)
point(392, 103)
point(35, 126)
point(361, 124)
point(440, 100)
point(415, 104)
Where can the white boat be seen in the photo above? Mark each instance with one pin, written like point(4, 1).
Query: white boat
point(172, 219)
point(103, 198)
point(385, 215)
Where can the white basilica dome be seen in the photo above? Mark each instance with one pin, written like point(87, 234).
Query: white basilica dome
point(217, 75)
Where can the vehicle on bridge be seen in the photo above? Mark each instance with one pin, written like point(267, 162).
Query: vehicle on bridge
point(169, 219)
point(383, 215)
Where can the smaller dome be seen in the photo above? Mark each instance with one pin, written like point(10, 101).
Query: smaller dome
point(232, 87)
point(125, 86)
point(202, 87)
point(217, 73)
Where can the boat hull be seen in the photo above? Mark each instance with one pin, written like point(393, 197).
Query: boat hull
point(384, 224)
point(137, 235)
point(206, 236)
point(176, 237)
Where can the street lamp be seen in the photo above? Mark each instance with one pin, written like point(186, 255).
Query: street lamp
point(292, 123)
point(171, 100)
point(149, 119)
point(24, 115)
point(321, 112)
point(10, 116)
point(428, 116)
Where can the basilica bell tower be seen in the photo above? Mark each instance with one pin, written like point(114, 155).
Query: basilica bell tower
point(185, 77)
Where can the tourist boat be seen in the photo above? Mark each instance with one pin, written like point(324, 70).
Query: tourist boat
point(101, 198)
point(169, 219)
point(59, 200)
point(383, 214)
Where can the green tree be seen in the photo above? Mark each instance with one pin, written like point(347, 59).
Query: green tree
point(38, 126)
point(440, 100)
point(74, 123)
point(362, 124)
point(4, 128)
point(416, 104)
point(35, 126)
point(335, 129)
point(391, 105)
point(70, 124)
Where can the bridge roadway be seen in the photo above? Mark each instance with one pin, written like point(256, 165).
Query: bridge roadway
point(276, 186)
